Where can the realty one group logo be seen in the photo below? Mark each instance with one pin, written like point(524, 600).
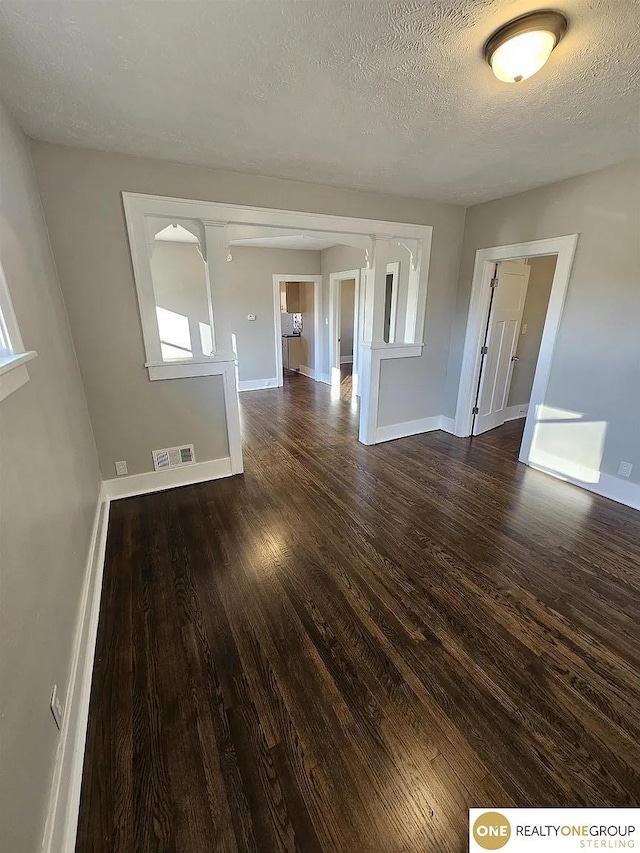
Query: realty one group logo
point(491, 831)
point(553, 830)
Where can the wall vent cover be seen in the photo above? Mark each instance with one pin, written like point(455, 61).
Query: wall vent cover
point(173, 457)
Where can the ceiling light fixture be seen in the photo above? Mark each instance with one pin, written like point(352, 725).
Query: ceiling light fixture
point(520, 48)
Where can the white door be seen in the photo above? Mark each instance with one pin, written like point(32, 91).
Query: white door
point(505, 318)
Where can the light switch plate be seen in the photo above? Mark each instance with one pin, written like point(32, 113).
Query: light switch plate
point(524, 329)
point(625, 469)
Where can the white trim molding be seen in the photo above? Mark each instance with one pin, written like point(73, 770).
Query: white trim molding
point(605, 485)
point(407, 428)
point(335, 321)
point(257, 384)
point(371, 358)
point(307, 371)
point(226, 369)
point(448, 424)
point(64, 801)
point(159, 481)
point(514, 413)
point(15, 375)
point(217, 225)
point(564, 247)
point(62, 819)
point(13, 357)
point(188, 369)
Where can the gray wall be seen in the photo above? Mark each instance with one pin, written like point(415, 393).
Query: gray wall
point(49, 482)
point(596, 364)
point(251, 275)
point(533, 317)
point(81, 196)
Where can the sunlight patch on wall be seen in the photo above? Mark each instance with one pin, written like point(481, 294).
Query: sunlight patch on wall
point(568, 444)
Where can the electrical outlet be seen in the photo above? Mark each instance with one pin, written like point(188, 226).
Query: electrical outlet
point(624, 469)
point(121, 468)
point(251, 317)
point(523, 331)
point(57, 708)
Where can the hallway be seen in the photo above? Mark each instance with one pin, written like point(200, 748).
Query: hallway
point(346, 647)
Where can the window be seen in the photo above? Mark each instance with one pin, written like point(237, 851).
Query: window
point(13, 358)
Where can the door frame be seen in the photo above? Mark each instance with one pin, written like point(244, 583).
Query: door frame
point(314, 373)
point(564, 247)
point(335, 283)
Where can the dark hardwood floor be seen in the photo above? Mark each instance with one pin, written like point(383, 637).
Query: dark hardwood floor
point(347, 647)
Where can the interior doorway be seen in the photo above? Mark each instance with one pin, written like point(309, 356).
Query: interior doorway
point(297, 301)
point(517, 297)
point(520, 293)
point(346, 307)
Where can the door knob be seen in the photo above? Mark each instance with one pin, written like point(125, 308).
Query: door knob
point(515, 358)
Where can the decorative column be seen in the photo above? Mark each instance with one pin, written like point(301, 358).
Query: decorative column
point(373, 336)
point(216, 249)
point(414, 321)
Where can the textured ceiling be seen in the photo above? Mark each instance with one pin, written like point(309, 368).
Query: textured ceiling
point(393, 97)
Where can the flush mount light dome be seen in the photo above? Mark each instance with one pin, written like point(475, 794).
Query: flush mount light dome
point(520, 48)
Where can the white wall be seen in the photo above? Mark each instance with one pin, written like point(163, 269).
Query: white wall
point(49, 483)
point(596, 365)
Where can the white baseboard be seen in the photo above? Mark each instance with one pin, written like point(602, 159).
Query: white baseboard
point(616, 489)
point(606, 485)
point(64, 803)
point(402, 430)
point(257, 384)
point(62, 819)
point(307, 371)
point(346, 359)
point(512, 413)
point(448, 424)
point(157, 481)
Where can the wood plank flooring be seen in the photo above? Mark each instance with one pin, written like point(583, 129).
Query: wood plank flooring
point(347, 647)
